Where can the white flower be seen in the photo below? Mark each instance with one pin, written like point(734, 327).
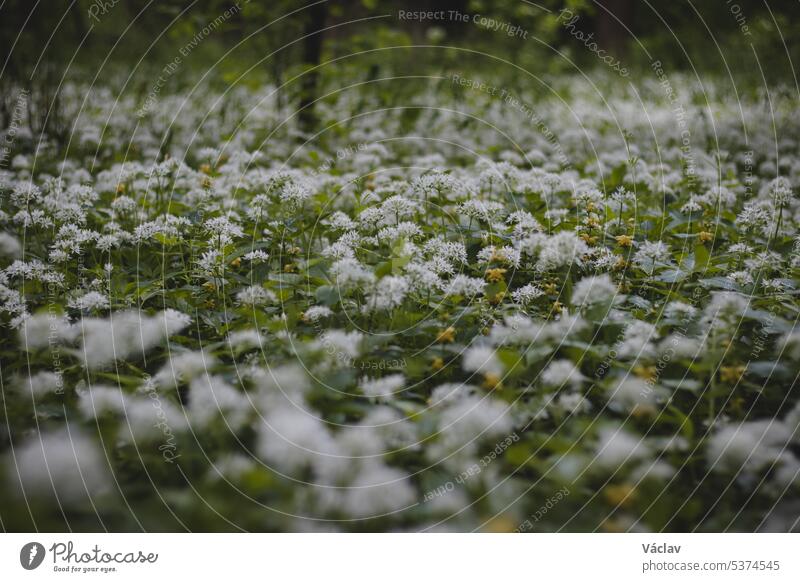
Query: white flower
point(211, 263)
point(572, 403)
point(467, 421)
point(515, 330)
point(594, 291)
point(43, 330)
point(152, 420)
point(316, 313)
point(463, 285)
point(340, 221)
point(637, 341)
point(616, 446)
point(680, 346)
point(649, 252)
point(421, 278)
point(397, 207)
point(9, 245)
point(560, 250)
point(483, 360)
point(99, 399)
point(691, 206)
point(740, 249)
point(434, 184)
point(401, 230)
point(524, 223)
point(773, 285)
point(452, 252)
point(755, 216)
point(290, 440)
point(748, 445)
point(255, 295)
point(679, 310)
point(561, 372)
point(222, 230)
point(741, 278)
point(212, 396)
point(245, 339)
point(183, 367)
point(377, 490)
point(634, 393)
point(126, 334)
point(725, 310)
point(779, 190)
point(388, 294)
point(25, 194)
point(256, 256)
point(279, 382)
point(91, 301)
point(350, 274)
point(382, 387)
point(65, 464)
point(43, 383)
point(527, 294)
point(166, 225)
point(231, 467)
point(340, 344)
point(556, 215)
point(507, 255)
point(481, 210)
point(370, 217)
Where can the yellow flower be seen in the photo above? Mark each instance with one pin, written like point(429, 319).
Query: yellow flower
point(495, 275)
point(624, 240)
point(491, 381)
point(121, 188)
point(736, 405)
point(209, 286)
point(620, 495)
point(500, 524)
point(643, 410)
point(706, 236)
point(205, 168)
point(498, 256)
point(446, 336)
point(497, 298)
point(236, 262)
point(731, 374)
point(437, 364)
point(289, 268)
point(557, 307)
point(613, 526)
point(645, 372)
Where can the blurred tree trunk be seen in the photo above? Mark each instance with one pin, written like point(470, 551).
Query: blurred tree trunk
point(611, 33)
point(312, 56)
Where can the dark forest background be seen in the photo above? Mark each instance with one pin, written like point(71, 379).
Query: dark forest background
point(45, 42)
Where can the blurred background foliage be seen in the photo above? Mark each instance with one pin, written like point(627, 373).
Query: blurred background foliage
point(127, 43)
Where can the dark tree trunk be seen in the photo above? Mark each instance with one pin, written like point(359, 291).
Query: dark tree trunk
point(611, 34)
point(312, 56)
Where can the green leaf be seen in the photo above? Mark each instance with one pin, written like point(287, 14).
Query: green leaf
point(327, 295)
point(701, 258)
